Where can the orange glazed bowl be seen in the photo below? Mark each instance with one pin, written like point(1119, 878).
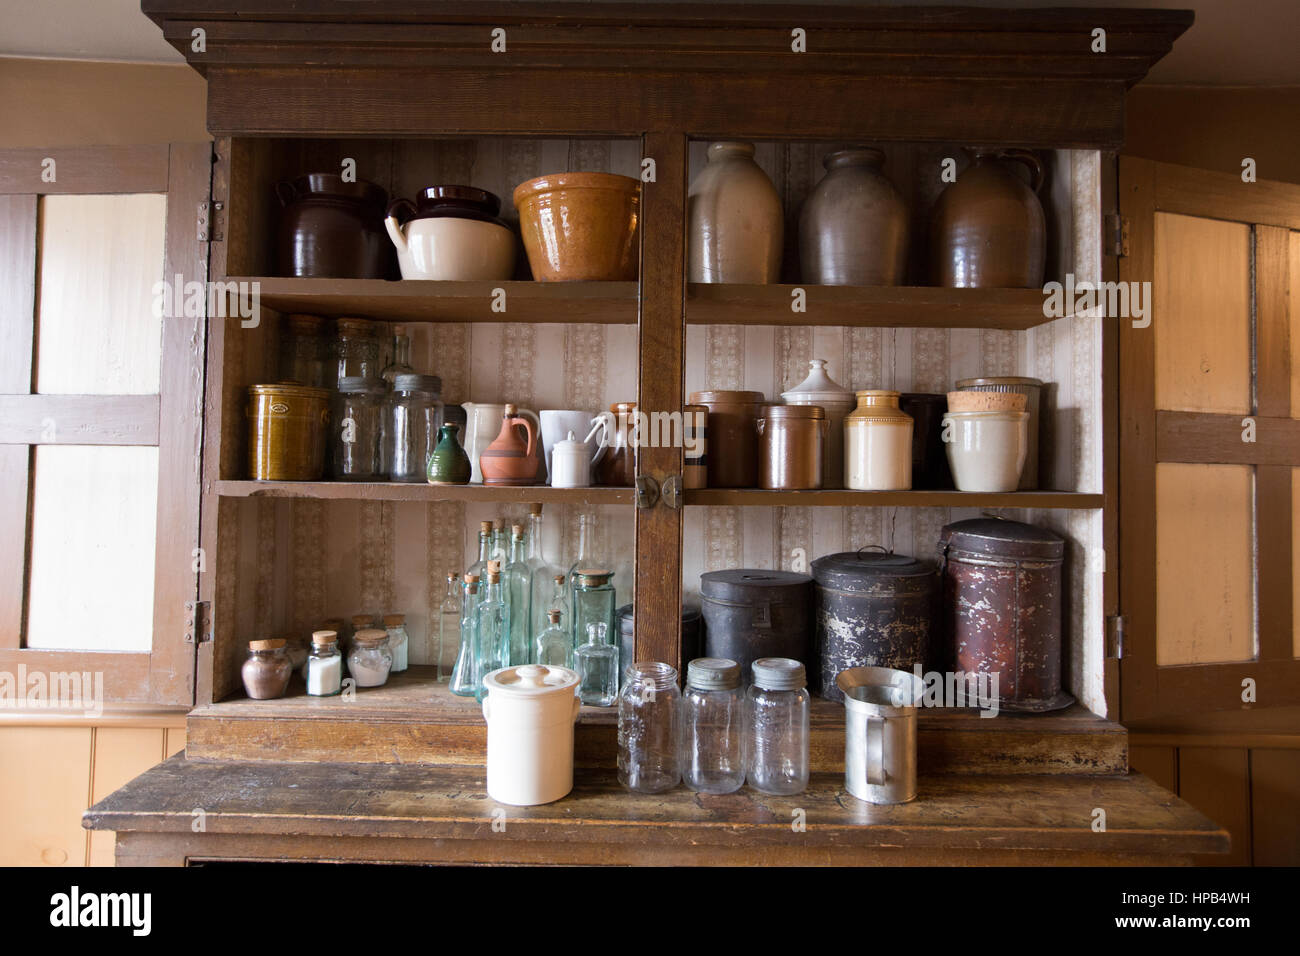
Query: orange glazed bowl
point(580, 226)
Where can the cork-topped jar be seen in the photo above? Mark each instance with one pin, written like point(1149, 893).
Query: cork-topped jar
point(267, 671)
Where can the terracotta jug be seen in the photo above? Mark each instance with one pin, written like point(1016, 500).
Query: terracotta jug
point(735, 217)
point(988, 229)
point(853, 225)
point(509, 460)
point(482, 422)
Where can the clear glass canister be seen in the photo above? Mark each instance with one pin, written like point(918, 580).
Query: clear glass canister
point(303, 352)
point(267, 671)
point(324, 668)
point(371, 658)
point(357, 348)
point(649, 718)
point(778, 726)
point(415, 414)
point(713, 726)
point(593, 601)
point(359, 430)
point(398, 641)
point(596, 662)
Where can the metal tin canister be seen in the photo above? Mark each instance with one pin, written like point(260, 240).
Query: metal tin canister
point(929, 456)
point(1001, 596)
point(733, 455)
point(287, 425)
point(750, 614)
point(872, 609)
point(791, 442)
point(1032, 389)
point(695, 460)
point(692, 637)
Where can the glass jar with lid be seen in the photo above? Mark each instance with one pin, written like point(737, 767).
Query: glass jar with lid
point(593, 601)
point(778, 726)
point(303, 352)
point(648, 728)
point(359, 430)
point(713, 726)
point(324, 668)
point(371, 658)
point(398, 641)
point(267, 671)
point(414, 416)
point(357, 349)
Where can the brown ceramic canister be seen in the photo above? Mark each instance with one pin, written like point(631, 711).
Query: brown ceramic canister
point(733, 436)
point(616, 465)
point(695, 435)
point(791, 439)
point(286, 432)
point(333, 229)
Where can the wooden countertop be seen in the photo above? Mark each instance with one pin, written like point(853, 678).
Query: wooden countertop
point(403, 813)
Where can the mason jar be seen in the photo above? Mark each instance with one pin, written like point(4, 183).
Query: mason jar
point(413, 420)
point(648, 728)
point(713, 726)
point(359, 429)
point(778, 726)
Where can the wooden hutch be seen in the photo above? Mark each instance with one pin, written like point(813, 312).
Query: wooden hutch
point(493, 93)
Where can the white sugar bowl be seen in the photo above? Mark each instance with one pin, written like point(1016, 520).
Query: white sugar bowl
point(571, 464)
point(530, 712)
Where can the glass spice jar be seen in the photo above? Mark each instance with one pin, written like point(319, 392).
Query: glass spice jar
point(413, 419)
point(713, 726)
point(371, 658)
point(399, 641)
point(648, 728)
point(359, 430)
point(596, 662)
point(303, 352)
point(324, 668)
point(357, 347)
point(778, 726)
point(266, 672)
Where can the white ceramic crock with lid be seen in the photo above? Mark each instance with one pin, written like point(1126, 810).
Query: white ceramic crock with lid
point(986, 450)
point(530, 710)
point(571, 463)
point(837, 401)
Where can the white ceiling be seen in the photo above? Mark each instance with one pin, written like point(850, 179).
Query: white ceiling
point(1232, 43)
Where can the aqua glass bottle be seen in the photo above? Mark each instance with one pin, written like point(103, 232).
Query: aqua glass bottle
point(593, 602)
point(449, 615)
point(479, 567)
point(596, 662)
point(492, 629)
point(588, 557)
point(517, 591)
point(554, 645)
point(463, 675)
point(500, 542)
point(541, 575)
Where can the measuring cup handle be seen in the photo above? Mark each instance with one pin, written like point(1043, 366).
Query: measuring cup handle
point(875, 750)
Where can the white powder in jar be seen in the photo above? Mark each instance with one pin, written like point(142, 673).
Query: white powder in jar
point(367, 674)
point(324, 675)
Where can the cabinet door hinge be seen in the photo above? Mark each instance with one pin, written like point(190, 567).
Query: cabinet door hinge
point(1115, 240)
point(198, 622)
point(647, 491)
point(206, 225)
point(670, 492)
point(1115, 636)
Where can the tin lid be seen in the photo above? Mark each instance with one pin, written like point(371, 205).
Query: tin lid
point(417, 383)
point(819, 389)
point(802, 412)
point(530, 682)
point(324, 637)
point(627, 618)
point(1003, 538)
point(742, 585)
point(287, 390)
point(726, 397)
point(864, 570)
point(779, 673)
point(994, 380)
point(356, 385)
point(593, 577)
point(713, 673)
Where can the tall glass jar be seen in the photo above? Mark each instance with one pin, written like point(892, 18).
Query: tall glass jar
point(649, 719)
point(399, 642)
point(492, 627)
point(357, 348)
point(444, 654)
point(324, 668)
point(359, 430)
point(593, 601)
point(778, 726)
point(413, 418)
point(541, 576)
point(370, 659)
point(713, 726)
point(464, 674)
point(303, 352)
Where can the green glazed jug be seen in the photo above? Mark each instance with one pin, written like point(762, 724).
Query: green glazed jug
point(449, 465)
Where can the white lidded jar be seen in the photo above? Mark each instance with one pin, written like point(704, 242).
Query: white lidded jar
point(571, 463)
point(837, 401)
point(878, 443)
point(530, 711)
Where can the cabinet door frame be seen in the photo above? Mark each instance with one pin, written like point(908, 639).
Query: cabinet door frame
point(172, 420)
point(1148, 436)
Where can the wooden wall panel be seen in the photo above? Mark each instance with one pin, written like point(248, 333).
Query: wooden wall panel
point(1202, 335)
point(1216, 780)
point(1204, 586)
point(1275, 807)
point(44, 787)
point(121, 754)
point(1157, 762)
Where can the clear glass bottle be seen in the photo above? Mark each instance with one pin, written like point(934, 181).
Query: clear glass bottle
point(492, 625)
point(777, 702)
point(399, 642)
point(412, 421)
point(554, 644)
point(464, 673)
point(359, 430)
point(588, 556)
point(517, 591)
point(541, 574)
point(713, 726)
point(401, 361)
point(500, 542)
point(596, 662)
point(479, 567)
point(324, 668)
point(593, 602)
point(444, 654)
point(357, 347)
point(370, 659)
point(649, 719)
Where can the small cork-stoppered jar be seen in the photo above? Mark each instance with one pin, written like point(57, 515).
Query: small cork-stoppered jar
point(398, 641)
point(267, 671)
point(324, 668)
point(371, 658)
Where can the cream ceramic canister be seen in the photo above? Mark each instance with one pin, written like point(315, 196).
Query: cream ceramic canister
point(735, 219)
point(986, 449)
point(878, 443)
point(853, 225)
point(837, 401)
point(530, 711)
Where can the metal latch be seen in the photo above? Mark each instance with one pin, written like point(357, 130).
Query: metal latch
point(1116, 240)
point(1115, 625)
point(198, 622)
point(647, 491)
point(671, 492)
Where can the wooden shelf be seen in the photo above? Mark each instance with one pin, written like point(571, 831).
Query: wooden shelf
point(757, 497)
point(604, 303)
point(415, 491)
point(884, 306)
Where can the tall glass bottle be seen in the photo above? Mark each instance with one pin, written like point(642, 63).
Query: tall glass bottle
point(541, 574)
point(401, 362)
point(479, 567)
point(588, 557)
point(444, 654)
point(554, 644)
point(597, 665)
point(517, 592)
point(500, 542)
point(493, 626)
point(463, 675)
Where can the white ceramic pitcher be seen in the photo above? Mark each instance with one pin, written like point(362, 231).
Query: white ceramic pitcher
point(482, 425)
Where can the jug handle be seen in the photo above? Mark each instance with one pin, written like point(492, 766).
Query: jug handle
point(1027, 158)
point(875, 750)
point(395, 233)
point(284, 192)
point(403, 210)
point(520, 421)
point(598, 424)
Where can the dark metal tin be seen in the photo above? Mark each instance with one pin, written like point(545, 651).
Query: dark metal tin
point(872, 609)
point(692, 638)
point(929, 457)
point(1002, 608)
point(750, 614)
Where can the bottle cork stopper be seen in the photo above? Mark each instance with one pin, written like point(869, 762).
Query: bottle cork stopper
point(535, 508)
point(553, 615)
point(471, 578)
point(485, 527)
point(494, 577)
point(517, 530)
point(393, 620)
point(452, 575)
point(272, 645)
point(559, 579)
point(494, 567)
point(510, 411)
point(362, 620)
point(324, 637)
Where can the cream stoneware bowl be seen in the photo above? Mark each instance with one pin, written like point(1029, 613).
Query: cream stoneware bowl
point(986, 450)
